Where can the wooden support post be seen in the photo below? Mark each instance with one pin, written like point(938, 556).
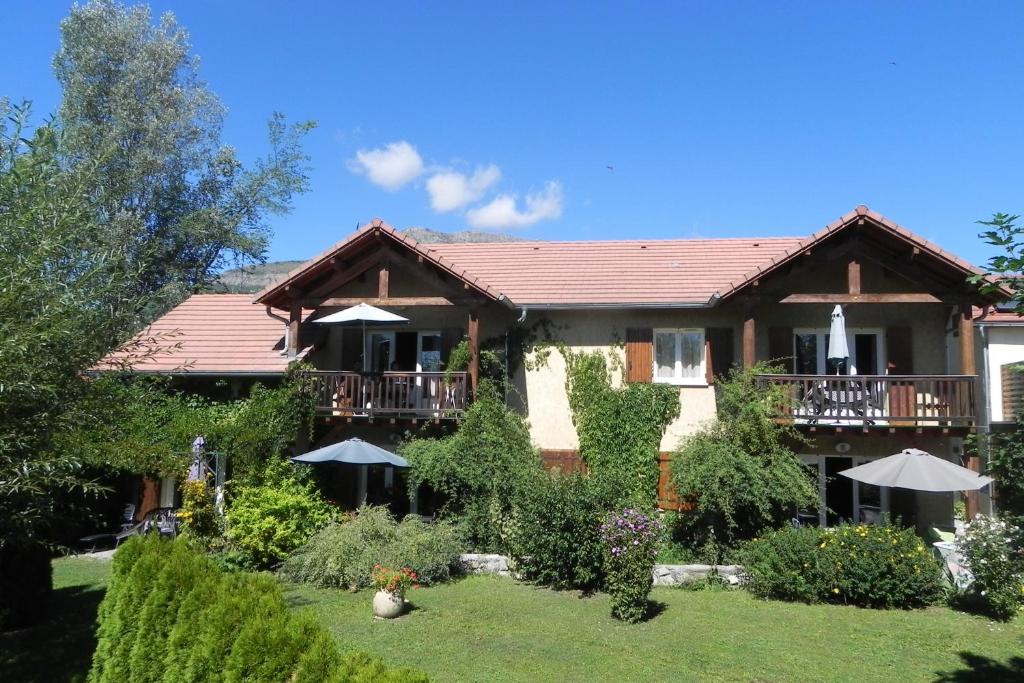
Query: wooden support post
point(294, 323)
point(473, 331)
point(382, 280)
point(968, 367)
point(853, 277)
point(749, 339)
point(967, 364)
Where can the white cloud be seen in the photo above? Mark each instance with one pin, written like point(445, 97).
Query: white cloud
point(391, 166)
point(450, 190)
point(502, 212)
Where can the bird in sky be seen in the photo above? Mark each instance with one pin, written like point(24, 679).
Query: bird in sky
point(611, 168)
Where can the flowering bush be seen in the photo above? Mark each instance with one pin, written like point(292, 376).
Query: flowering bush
point(865, 565)
point(996, 562)
point(197, 513)
point(394, 581)
point(630, 547)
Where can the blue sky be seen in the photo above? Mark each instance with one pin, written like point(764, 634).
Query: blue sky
point(720, 119)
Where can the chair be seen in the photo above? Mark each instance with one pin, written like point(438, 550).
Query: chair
point(128, 516)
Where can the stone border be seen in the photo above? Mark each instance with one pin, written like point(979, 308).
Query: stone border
point(664, 574)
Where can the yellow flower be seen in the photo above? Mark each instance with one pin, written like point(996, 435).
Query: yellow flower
point(836, 591)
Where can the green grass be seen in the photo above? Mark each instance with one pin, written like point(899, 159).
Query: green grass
point(60, 648)
point(491, 629)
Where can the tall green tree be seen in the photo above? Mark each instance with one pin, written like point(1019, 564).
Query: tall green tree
point(135, 107)
point(1005, 270)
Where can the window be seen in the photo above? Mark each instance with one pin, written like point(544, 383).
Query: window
point(679, 357)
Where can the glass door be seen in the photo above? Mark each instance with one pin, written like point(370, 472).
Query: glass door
point(381, 347)
point(428, 359)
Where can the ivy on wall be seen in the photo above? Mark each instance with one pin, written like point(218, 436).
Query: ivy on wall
point(619, 428)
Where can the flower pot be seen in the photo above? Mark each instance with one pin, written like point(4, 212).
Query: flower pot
point(387, 605)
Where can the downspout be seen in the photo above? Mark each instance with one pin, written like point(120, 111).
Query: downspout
point(287, 329)
point(985, 426)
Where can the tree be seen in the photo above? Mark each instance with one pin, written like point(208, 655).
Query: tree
point(135, 107)
point(1004, 271)
point(740, 473)
point(62, 292)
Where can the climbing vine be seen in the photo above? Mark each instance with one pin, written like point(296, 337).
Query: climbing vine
point(619, 428)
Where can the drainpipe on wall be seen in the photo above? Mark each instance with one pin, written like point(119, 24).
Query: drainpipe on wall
point(287, 329)
point(985, 419)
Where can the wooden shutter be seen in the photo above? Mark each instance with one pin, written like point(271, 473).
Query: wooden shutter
point(720, 355)
point(780, 347)
point(899, 349)
point(639, 354)
point(1012, 375)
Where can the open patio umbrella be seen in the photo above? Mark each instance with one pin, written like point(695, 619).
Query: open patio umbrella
point(364, 315)
point(353, 452)
point(919, 471)
point(837, 348)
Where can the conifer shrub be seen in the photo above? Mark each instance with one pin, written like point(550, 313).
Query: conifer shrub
point(170, 614)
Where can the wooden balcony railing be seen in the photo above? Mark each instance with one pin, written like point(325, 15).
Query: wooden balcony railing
point(425, 395)
point(862, 400)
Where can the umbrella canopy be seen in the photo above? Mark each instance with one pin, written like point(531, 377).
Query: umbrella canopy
point(362, 314)
point(353, 452)
point(917, 470)
point(837, 347)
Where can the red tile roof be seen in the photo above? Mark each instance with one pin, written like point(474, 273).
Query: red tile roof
point(219, 334)
point(627, 272)
point(997, 317)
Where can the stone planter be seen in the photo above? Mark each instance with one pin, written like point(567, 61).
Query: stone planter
point(387, 605)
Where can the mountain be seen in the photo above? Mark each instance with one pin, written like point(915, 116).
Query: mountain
point(253, 278)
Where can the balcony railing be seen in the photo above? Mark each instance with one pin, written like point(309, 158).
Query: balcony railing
point(428, 395)
point(863, 400)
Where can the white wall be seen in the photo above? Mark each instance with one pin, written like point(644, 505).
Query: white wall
point(1005, 345)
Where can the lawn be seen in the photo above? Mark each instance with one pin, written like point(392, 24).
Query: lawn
point(491, 629)
point(60, 648)
point(486, 628)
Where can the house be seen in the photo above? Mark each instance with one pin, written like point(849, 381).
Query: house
point(675, 311)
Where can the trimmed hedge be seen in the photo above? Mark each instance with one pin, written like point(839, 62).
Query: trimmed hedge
point(864, 565)
point(171, 615)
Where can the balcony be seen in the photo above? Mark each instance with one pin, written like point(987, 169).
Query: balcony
point(405, 395)
point(863, 401)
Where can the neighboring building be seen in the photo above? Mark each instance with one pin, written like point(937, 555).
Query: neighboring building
point(676, 311)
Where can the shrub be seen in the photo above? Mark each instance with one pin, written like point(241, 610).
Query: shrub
point(479, 469)
point(553, 532)
point(864, 565)
point(268, 521)
point(630, 547)
point(989, 548)
point(343, 555)
point(198, 514)
point(198, 624)
point(26, 581)
point(740, 473)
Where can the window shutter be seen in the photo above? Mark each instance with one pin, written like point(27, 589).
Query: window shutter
point(899, 343)
point(1012, 375)
point(780, 347)
point(720, 355)
point(639, 354)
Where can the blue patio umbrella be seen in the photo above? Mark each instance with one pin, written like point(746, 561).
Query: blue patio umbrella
point(353, 452)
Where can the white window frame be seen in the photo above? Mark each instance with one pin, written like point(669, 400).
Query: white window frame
point(677, 378)
point(851, 332)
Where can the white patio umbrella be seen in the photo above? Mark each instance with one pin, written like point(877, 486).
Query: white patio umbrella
point(837, 347)
point(919, 471)
point(364, 315)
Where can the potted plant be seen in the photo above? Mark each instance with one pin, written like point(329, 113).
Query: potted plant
point(391, 585)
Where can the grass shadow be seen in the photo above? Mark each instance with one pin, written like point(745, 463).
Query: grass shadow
point(58, 649)
point(980, 669)
point(654, 609)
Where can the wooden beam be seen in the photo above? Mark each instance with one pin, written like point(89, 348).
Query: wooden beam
point(853, 276)
point(345, 302)
point(749, 340)
point(349, 272)
point(382, 281)
point(967, 364)
point(294, 323)
point(893, 298)
point(473, 332)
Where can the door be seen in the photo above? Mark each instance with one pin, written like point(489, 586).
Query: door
point(428, 359)
point(810, 350)
point(381, 347)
